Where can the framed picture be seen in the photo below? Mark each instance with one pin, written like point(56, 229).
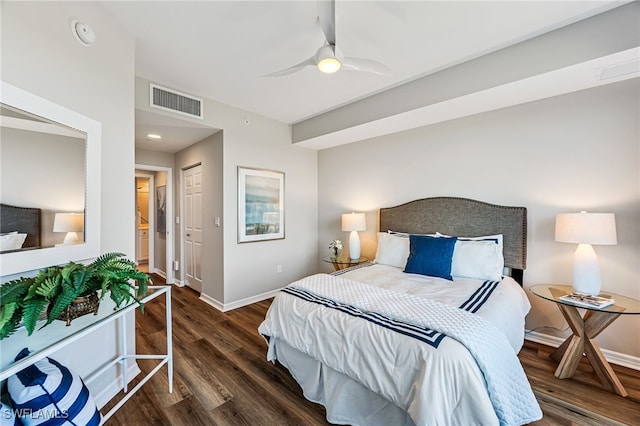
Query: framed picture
point(260, 205)
point(161, 209)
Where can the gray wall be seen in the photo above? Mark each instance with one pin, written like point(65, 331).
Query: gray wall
point(565, 154)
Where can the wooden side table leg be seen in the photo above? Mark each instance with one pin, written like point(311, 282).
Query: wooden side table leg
point(603, 369)
point(595, 322)
point(560, 351)
point(571, 359)
point(573, 348)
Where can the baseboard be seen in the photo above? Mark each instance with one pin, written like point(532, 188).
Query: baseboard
point(160, 272)
point(239, 303)
point(111, 390)
point(617, 358)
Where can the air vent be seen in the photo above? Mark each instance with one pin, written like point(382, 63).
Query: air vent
point(170, 100)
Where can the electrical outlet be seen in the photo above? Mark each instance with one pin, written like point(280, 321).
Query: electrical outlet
point(279, 268)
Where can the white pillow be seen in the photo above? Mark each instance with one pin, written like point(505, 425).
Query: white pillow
point(479, 258)
point(12, 241)
point(393, 249)
point(497, 238)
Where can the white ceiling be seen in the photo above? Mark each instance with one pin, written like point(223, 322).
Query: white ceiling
point(221, 50)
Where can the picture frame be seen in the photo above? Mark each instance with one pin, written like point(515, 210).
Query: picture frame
point(260, 205)
point(161, 209)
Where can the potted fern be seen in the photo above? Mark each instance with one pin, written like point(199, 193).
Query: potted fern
point(69, 291)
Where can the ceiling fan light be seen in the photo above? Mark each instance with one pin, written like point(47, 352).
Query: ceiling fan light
point(329, 65)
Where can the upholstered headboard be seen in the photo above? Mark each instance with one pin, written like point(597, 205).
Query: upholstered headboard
point(21, 219)
point(464, 217)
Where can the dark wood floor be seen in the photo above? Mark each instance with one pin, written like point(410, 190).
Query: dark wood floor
point(221, 377)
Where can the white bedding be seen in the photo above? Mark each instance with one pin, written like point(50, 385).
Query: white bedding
point(506, 308)
point(436, 384)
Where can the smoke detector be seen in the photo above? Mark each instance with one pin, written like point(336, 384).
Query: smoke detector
point(83, 32)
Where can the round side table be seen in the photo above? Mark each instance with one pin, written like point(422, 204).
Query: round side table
point(585, 329)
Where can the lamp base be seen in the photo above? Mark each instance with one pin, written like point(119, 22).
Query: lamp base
point(586, 271)
point(71, 238)
point(354, 245)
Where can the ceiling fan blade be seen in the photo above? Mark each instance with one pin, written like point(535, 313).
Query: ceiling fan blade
point(366, 65)
point(294, 68)
point(327, 18)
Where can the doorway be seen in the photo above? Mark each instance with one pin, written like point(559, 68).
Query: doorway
point(144, 222)
point(159, 221)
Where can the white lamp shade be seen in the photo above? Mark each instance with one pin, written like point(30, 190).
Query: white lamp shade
point(586, 228)
point(68, 222)
point(354, 222)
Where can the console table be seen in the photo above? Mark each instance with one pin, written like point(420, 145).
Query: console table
point(57, 335)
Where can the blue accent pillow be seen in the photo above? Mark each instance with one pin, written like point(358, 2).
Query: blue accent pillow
point(430, 256)
point(48, 392)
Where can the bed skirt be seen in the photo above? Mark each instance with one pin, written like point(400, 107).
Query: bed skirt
point(346, 401)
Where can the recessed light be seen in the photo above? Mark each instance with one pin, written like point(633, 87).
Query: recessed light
point(154, 136)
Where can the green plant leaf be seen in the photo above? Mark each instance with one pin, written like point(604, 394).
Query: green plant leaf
point(14, 291)
point(48, 288)
point(61, 302)
point(6, 312)
point(32, 310)
point(10, 327)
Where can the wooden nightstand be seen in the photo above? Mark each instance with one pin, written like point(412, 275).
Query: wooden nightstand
point(585, 329)
point(343, 261)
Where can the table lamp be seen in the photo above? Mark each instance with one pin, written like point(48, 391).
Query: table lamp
point(354, 222)
point(586, 229)
point(71, 223)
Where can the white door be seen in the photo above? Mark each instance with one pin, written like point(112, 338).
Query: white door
point(192, 231)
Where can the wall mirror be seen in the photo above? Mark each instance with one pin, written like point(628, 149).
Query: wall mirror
point(49, 183)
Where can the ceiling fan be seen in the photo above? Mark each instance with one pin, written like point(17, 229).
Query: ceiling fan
point(329, 58)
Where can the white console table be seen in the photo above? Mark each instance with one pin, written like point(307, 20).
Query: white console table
point(57, 335)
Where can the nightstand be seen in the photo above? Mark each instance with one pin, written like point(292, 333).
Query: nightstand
point(343, 261)
point(585, 329)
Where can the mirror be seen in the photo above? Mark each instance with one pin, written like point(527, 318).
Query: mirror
point(49, 183)
point(31, 147)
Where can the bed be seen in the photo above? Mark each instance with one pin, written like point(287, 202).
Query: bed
point(19, 227)
point(435, 345)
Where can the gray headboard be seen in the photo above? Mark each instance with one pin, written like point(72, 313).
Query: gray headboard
point(21, 219)
point(464, 217)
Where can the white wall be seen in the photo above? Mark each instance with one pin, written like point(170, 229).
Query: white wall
point(569, 153)
point(40, 55)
